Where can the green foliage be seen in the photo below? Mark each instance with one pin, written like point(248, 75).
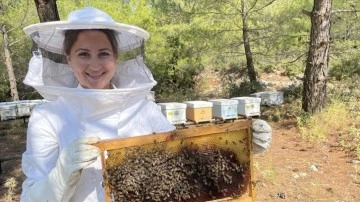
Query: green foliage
point(347, 92)
point(188, 36)
point(14, 16)
point(292, 93)
point(335, 119)
point(12, 127)
point(4, 87)
point(236, 84)
point(347, 89)
point(175, 74)
point(305, 124)
point(269, 69)
point(351, 140)
point(347, 67)
point(245, 88)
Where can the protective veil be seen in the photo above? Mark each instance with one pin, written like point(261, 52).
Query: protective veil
point(75, 115)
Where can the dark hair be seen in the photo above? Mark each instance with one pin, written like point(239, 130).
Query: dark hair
point(71, 37)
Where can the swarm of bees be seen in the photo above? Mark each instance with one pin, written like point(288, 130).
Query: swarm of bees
point(190, 174)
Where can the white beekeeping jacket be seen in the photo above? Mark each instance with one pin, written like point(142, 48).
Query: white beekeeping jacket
point(75, 112)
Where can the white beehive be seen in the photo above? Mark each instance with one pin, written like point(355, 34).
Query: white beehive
point(7, 111)
point(248, 106)
point(270, 97)
point(224, 108)
point(174, 112)
point(23, 108)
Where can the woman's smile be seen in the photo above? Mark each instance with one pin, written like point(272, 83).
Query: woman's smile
point(93, 63)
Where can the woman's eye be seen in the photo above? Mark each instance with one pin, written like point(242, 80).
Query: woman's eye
point(104, 54)
point(83, 54)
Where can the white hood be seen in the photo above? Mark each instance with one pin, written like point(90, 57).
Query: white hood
point(133, 82)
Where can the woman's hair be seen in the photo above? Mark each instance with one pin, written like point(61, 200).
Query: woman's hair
point(71, 37)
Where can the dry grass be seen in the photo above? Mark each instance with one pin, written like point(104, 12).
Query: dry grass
point(337, 119)
point(10, 185)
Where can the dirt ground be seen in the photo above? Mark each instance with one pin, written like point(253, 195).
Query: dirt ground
point(292, 170)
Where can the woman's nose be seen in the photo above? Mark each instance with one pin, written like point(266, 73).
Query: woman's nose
point(95, 62)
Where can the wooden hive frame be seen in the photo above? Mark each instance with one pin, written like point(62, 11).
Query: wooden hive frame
point(198, 131)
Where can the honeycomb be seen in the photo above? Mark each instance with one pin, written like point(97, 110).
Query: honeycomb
point(202, 163)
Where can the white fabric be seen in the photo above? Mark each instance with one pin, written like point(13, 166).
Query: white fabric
point(73, 113)
point(262, 134)
point(65, 175)
point(132, 79)
point(54, 125)
point(50, 35)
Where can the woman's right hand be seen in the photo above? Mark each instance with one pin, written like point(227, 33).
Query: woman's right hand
point(60, 183)
point(78, 155)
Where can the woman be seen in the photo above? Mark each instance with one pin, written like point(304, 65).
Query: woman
point(92, 97)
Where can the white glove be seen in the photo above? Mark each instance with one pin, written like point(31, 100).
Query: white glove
point(261, 136)
point(60, 183)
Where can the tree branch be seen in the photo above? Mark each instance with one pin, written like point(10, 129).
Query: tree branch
point(266, 5)
point(307, 13)
point(296, 59)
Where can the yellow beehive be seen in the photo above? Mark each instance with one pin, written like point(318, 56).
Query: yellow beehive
point(200, 163)
point(199, 111)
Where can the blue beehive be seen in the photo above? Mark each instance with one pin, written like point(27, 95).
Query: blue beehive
point(224, 108)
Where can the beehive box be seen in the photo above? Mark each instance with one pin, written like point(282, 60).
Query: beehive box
point(207, 163)
point(199, 111)
point(7, 111)
point(270, 97)
point(23, 108)
point(248, 106)
point(174, 112)
point(224, 108)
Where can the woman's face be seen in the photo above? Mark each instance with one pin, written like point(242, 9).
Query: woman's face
point(93, 60)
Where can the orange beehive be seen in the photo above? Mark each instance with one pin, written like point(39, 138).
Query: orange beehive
point(199, 111)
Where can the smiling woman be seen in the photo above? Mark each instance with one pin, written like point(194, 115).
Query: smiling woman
point(93, 96)
point(93, 63)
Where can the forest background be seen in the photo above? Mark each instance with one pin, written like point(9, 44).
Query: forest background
point(190, 37)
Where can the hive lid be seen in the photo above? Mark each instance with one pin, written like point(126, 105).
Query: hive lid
point(198, 104)
point(172, 105)
point(8, 106)
point(247, 99)
point(224, 101)
point(266, 93)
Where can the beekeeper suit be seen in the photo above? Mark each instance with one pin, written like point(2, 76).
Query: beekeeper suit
point(60, 163)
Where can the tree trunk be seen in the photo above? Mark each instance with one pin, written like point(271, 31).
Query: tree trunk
point(47, 11)
point(9, 65)
point(316, 72)
point(249, 59)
